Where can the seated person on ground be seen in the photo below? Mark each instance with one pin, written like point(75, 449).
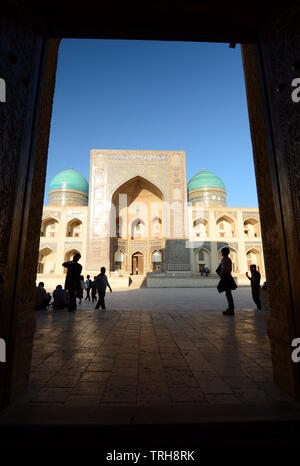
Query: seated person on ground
point(59, 298)
point(42, 298)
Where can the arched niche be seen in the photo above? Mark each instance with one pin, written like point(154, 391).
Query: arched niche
point(119, 259)
point(251, 228)
point(46, 261)
point(254, 256)
point(136, 198)
point(202, 260)
point(49, 227)
point(156, 227)
point(225, 227)
point(233, 256)
point(156, 257)
point(138, 229)
point(200, 228)
point(69, 256)
point(74, 228)
point(137, 263)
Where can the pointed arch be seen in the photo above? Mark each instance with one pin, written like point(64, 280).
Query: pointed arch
point(251, 227)
point(233, 256)
point(137, 179)
point(200, 227)
point(46, 260)
point(202, 260)
point(136, 197)
point(254, 256)
point(69, 254)
point(74, 228)
point(156, 227)
point(156, 259)
point(137, 228)
point(119, 259)
point(137, 263)
point(225, 226)
point(49, 227)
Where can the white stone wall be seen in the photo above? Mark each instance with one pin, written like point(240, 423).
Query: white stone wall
point(61, 244)
point(212, 242)
point(109, 169)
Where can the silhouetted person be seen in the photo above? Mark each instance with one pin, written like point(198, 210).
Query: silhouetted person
point(72, 284)
point(101, 285)
point(94, 289)
point(79, 293)
point(255, 285)
point(88, 286)
point(59, 298)
point(42, 298)
point(226, 282)
point(206, 271)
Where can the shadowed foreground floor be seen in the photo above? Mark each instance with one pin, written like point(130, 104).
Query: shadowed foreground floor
point(94, 358)
point(136, 377)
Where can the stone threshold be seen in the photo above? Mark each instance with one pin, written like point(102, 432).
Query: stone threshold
point(204, 429)
point(112, 415)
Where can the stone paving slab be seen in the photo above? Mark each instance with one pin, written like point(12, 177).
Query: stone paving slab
point(181, 299)
point(150, 358)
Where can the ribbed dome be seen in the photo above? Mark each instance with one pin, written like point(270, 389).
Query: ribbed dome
point(205, 180)
point(69, 179)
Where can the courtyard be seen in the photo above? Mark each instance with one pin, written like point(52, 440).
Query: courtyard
point(153, 347)
point(156, 360)
point(175, 299)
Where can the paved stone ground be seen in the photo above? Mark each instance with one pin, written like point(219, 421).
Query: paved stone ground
point(170, 299)
point(157, 357)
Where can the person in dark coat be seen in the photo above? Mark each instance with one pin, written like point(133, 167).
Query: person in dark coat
point(226, 282)
point(101, 285)
point(72, 284)
point(42, 298)
point(94, 289)
point(255, 285)
point(88, 286)
point(79, 293)
point(59, 298)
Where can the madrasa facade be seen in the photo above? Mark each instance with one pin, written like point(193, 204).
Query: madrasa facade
point(139, 218)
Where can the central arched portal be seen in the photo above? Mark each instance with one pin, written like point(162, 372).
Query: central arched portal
point(137, 224)
point(137, 263)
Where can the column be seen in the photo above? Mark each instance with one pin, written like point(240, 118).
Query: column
point(241, 243)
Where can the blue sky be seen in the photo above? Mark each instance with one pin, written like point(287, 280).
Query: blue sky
point(113, 94)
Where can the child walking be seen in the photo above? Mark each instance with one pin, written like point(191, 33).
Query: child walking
point(101, 285)
point(255, 285)
point(94, 290)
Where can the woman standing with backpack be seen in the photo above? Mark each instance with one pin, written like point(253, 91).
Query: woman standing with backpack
point(226, 282)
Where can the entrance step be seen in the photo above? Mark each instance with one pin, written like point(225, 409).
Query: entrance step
point(231, 426)
point(137, 281)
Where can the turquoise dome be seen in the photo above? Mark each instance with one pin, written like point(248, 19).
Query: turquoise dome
point(69, 179)
point(205, 180)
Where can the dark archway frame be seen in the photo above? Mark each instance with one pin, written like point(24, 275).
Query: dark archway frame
point(30, 34)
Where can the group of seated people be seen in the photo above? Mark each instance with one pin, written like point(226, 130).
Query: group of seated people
point(43, 299)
